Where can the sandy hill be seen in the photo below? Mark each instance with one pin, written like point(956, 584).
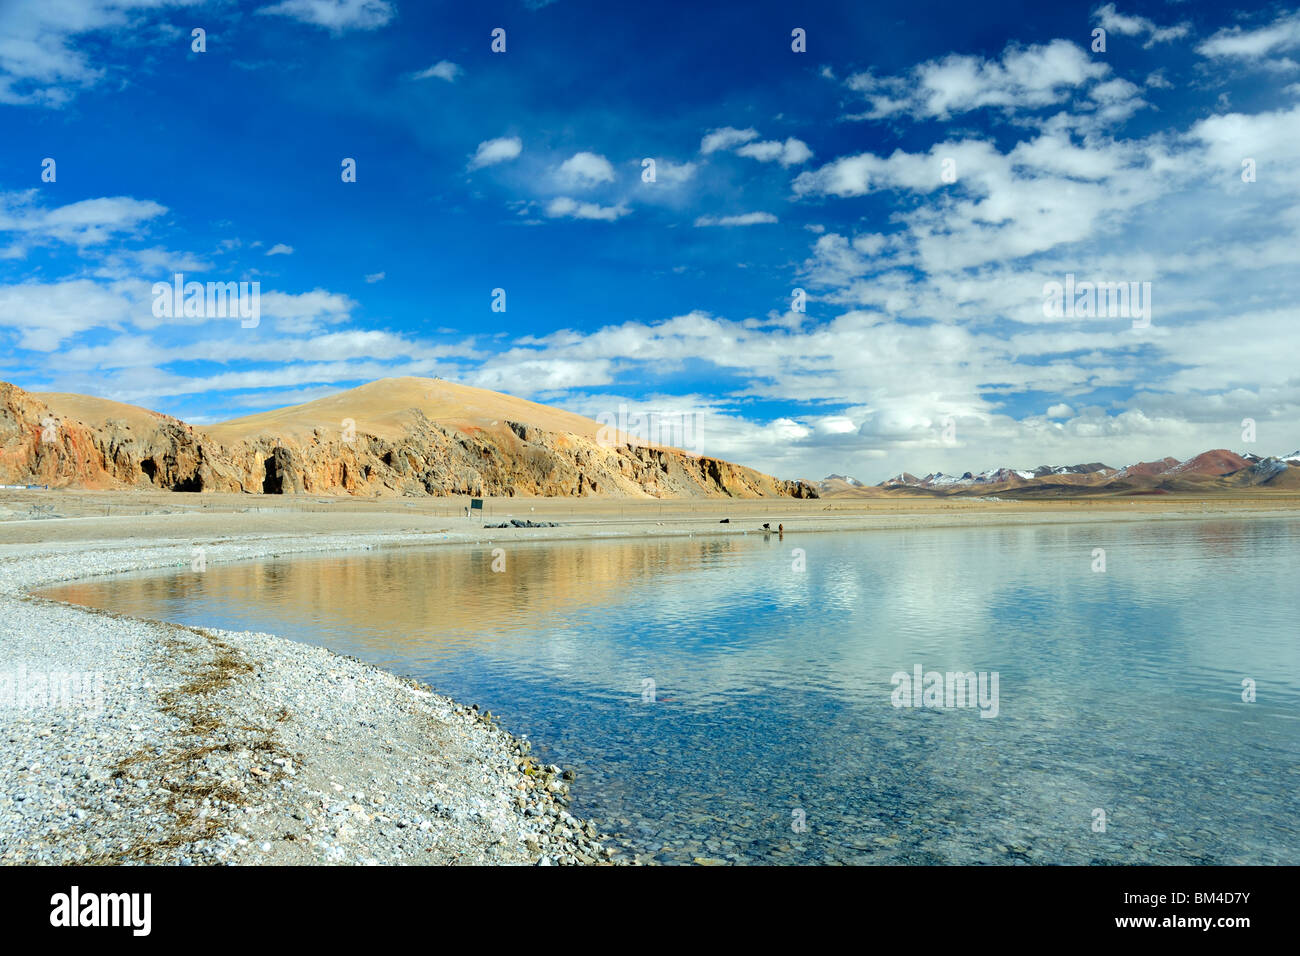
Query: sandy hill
point(89, 410)
point(384, 408)
point(400, 436)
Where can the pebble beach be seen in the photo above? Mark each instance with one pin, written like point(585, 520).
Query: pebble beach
point(132, 742)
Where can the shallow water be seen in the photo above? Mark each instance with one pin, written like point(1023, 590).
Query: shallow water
point(770, 732)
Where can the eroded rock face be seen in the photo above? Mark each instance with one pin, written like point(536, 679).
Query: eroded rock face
point(509, 459)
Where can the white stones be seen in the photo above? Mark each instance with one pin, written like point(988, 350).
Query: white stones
point(450, 798)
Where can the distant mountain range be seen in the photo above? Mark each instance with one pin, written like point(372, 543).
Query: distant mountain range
point(1217, 470)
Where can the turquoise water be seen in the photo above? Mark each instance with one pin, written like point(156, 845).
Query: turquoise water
point(770, 733)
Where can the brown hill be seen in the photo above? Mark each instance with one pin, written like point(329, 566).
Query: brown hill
point(1213, 472)
point(407, 436)
point(386, 409)
point(1218, 462)
point(91, 410)
point(1148, 468)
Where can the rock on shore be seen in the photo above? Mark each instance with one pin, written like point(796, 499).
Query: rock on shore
point(192, 746)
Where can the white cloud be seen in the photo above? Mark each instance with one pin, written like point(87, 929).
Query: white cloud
point(337, 16)
point(1270, 138)
point(1117, 99)
point(492, 151)
point(565, 207)
point(1112, 21)
point(1236, 42)
point(39, 60)
point(745, 219)
point(1043, 193)
point(442, 70)
point(745, 142)
point(136, 351)
point(674, 174)
point(374, 277)
point(305, 311)
point(585, 169)
point(790, 153)
point(83, 223)
point(728, 137)
point(280, 249)
point(1060, 410)
point(46, 314)
point(1029, 77)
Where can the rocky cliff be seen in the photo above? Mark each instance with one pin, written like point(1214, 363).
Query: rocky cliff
point(43, 443)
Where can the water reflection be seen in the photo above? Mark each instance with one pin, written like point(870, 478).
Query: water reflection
point(1119, 690)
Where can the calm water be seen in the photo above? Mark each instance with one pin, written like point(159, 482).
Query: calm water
point(1118, 690)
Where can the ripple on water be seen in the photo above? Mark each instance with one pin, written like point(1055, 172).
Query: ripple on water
point(768, 733)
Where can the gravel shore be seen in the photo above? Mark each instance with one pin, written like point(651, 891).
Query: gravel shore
point(128, 741)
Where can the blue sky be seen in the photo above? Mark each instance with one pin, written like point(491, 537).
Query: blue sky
point(922, 170)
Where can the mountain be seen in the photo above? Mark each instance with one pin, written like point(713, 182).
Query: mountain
point(902, 478)
point(399, 436)
point(1088, 469)
point(1147, 468)
point(838, 485)
point(1217, 462)
point(1001, 477)
point(1216, 471)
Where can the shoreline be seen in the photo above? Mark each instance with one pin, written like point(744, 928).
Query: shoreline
point(216, 747)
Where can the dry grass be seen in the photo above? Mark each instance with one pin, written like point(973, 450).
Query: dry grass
point(196, 704)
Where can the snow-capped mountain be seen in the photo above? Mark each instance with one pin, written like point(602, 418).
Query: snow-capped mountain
point(1216, 468)
point(994, 476)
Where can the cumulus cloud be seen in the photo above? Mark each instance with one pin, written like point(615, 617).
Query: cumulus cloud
point(492, 151)
point(42, 62)
point(790, 153)
point(727, 137)
point(83, 223)
point(280, 249)
point(563, 207)
point(442, 70)
point(1112, 21)
point(1254, 44)
point(306, 311)
point(337, 16)
point(1043, 193)
point(585, 169)
point(1024, 77)
point(46, 314)
point(674, 174)
point(745, 142)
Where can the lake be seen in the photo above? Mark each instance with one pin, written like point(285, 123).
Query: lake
point(735, 697)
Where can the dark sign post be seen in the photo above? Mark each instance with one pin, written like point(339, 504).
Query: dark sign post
point(476, 504)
